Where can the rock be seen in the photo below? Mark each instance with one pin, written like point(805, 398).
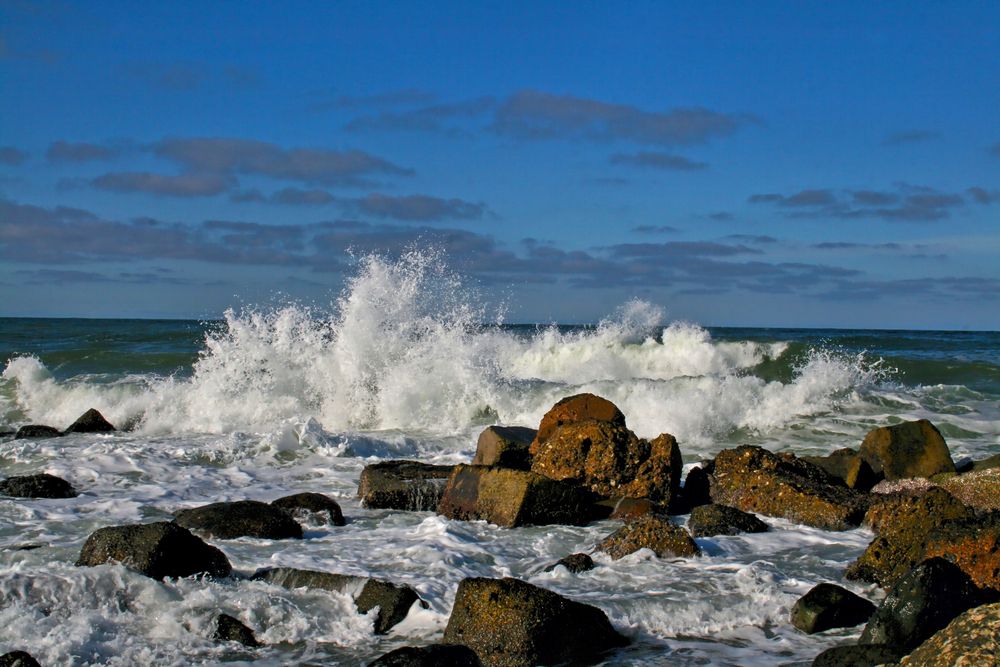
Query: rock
point(157, 550)
point(291, 577)
point(242, 518)
point(714, 519)
point(973, 545)
point(91, 421)
point(505, 446)
point(753, 479)
point(435, 655)
point(658, 533)
point(307, 504)
point(403, 485)
point(987, 463)
point(627, 509)
point(512, 498)
point(847, 466)
point(37, 431)
point(575, 563)
point(42, 485)
point(512, 623)
point(859, 655)
point(924, 601)
point(18, 659)
point(696, 489)
point(829, 606)
point(576, 409)
point(979, 489)
point(971, 639)
point(231, 629)
point(910, 449)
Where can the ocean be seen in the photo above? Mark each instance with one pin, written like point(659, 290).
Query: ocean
point(407, 364)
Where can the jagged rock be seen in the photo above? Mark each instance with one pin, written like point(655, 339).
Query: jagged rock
point(511, 623)
point(512, 498)
point(403, 485)
point(973, 545)
point(715, 519)
point(18, 659)
point(576, 409)
point(971, 639)
point(910, 449)
point(575, 563)
point(37, 431)
point(242, 518)
point(157, 550)
point(505, 446)
point(42, 485)
point(847, 466)
point(309, 504)
point(859, 655)
point(91, 421)
point(435, 655)
point(231, 629)
point(979, 489)
point(696, 489)
point(753, 479)
point(829, 606)
point(658, 533)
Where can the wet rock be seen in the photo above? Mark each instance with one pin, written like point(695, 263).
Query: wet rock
point(403, 485)
point(157, 550)
point(715, 519)
point(979, 489)
point(910, 449)
point(973, 545)
point(971, 639)
point(231, 629)
point(435, 655)
point(18, 659)
point(512, 498)
point(91, 421)
point(829, 606)
point(512, 623)
point(575, 563)
point(658, 533)
point(753, 479)
point(37, 431)
point(42, 485)
point(291, 577)
point(696, 489)
point(242, 518)
point(306, 505)
point(576, 409)
point(847, 466)
point(626, 509)
point(859, 655)
point(505, 446)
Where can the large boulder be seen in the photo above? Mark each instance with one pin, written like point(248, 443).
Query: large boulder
point(403, 485)
point(157, 550)
point(973, 545)
point(847, 466)
point(576, 409)
point(971, 639)
point(435, 655)
point(42, 485)
point(306, 506)
point(231, 629)
point(979, 489)
point(505, 446)
point(242, 518)
point(910, 449)
point(658, 533)
point(512, 498)
point(511, 623)
point(753, 479)
point(37, 431)
point(91, 421)
point(859, 655)
point(828, 606)
point(715, 519)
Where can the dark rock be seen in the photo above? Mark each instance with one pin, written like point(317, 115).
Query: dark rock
point(753, 479)
point(156, 550)
point(18, 659)
point(290, 577)
point(658, 533)
point(829, 606)
point(715, 519)
point(37, 486)
point(971, 544)
point(230, 629)
point(306, 504)
point(243, 518)
point(696, 489)
point(512, 498)
point(847, 466)
point(435, 655)
point(91, 421)
point(513, 623)
point(37, 431)
point(575, 563)
point(910, 449)
point(403, 485)
point(859, 655)
point(924, 601)
point(971, 639)
point(505, 446)
point(576, 409)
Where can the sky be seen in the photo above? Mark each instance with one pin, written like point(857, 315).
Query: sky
point(739, 163)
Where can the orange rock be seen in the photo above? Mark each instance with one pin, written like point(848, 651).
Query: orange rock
point(578, 408)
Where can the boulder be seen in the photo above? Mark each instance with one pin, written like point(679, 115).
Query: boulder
point(979, 489)
point(37, 431)
point(715, 519)
point(576, 409)
point(575, 563)
point(505, 446)
point(231, 629)
point(242, 518)
point(435, 655)
point(511, 623)
point(828, 606)
point(910, 449)
point(91, 421)
point(753, 479)
point(971, 544)
point(157, 550)
point(18, 659)
point(971, 639)
point(654, 532)
point(859, 655)
point(42, 485)
point(626, 509)
point(697, 490)
point(512, 498)
point(847, 466)
point(308, 505)
point(403, 485)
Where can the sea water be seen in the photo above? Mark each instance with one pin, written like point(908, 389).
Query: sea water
point(406, 364)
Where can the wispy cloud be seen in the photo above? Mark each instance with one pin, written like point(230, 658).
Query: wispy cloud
point(65, 151)
point(908, 203)
point(179, 185)
point(653, 160)
point(12, 156)
point(419, 207)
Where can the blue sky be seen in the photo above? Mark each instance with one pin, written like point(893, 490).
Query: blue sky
point(759, 164)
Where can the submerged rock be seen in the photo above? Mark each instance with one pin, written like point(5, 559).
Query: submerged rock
point(242, 518)
point(658, 533)
point(971, 639)
point(859, 655)
point(505, 446)
point(37, 431)
point(715, 519)
point(575, 563)
point(511, 623)
point(829, 606)
point(910, 449)
point(18, 659)
point(157, 550)
point(435, 655)
point(42, 485)
point(231, 629)
point(403, 485)
point(312, 504)
point(847, 466)
point(91, 421)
